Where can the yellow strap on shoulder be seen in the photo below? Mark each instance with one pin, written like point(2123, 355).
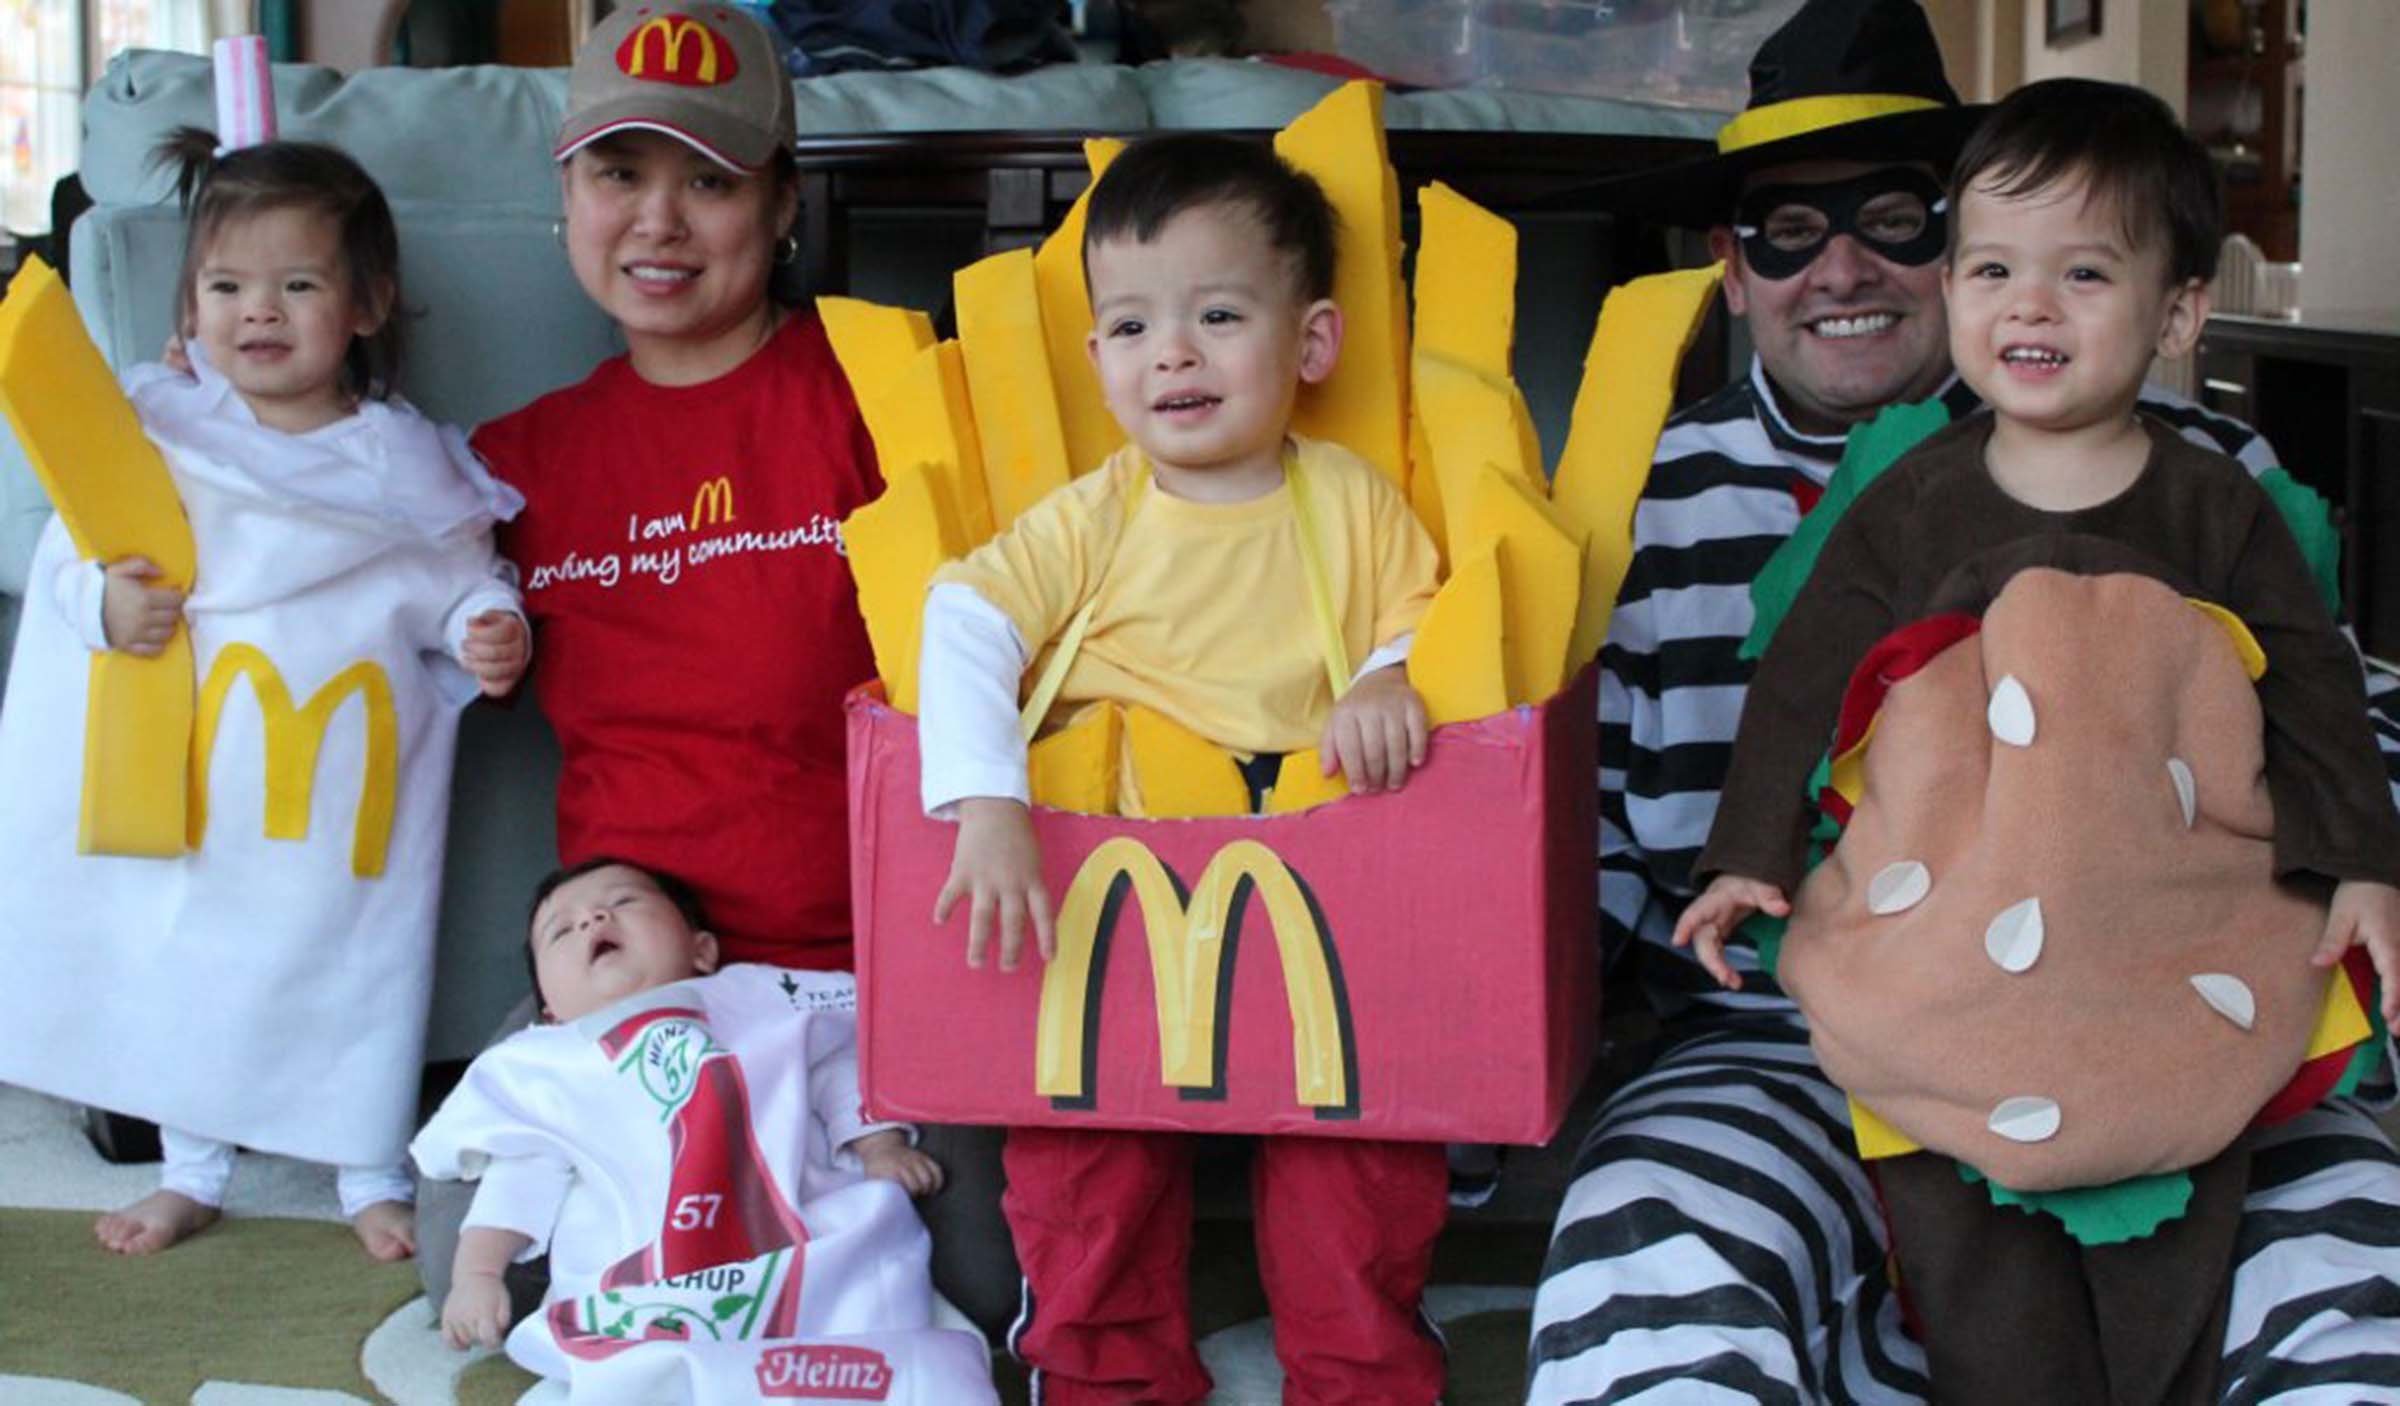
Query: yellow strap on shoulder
point(115, 498)
point(1312, 560)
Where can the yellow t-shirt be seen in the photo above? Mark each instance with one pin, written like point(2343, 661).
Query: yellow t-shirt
point(1203, 609)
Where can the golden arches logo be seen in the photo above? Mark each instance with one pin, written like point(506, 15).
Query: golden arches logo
point(715, 62)
point(1193, 940)
point(292, 739)
point(712, 502)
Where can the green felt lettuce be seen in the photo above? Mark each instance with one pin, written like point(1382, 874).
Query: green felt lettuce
point(2099, 1215)
point(1872, 448)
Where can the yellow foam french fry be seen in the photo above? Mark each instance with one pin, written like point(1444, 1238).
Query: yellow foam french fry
point(1300, 782)
point(1466, 282)
point(931, 422)
point(1628, 387)
point(895, 544)
point(1541, 574)
point(114, 495)
point(895, 376)
point(1008, 378)
point(873, 342)
point(1460, 662)
point(1075, 768)
point(1092, 433)
point(1363, 405)
point(1424, 485)
point(1470, 420)
point(1172, 772)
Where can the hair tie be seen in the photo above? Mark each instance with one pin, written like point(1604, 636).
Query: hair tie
point(245, 93)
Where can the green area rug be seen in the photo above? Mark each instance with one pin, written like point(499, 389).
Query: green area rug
point(290, 1304)
point(270, 1302)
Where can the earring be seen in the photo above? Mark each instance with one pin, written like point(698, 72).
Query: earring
point(558, 231)
point(787, 249)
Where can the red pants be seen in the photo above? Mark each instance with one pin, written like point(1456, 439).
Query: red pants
point(1103, 1224)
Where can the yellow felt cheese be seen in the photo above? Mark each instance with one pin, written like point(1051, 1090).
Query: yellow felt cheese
point(1008, 378)
point(1091, 432)
point(2341, 1021)
point(1075, 768)
point(894, 546)
point(115, 498)
point(1628, 386)
point(1876, 1138)
point(873, 342)
point(1459, 663)
point(1466, 282)
point(1172, 772)
point(1541, 574)
point(1300, 783)
point(924, 416)
point(1470, 420)
point(1363, 405)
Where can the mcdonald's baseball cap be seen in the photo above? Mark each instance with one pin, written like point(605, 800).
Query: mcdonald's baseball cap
point(705, 74)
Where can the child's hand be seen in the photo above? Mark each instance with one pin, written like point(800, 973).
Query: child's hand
point(1714, 915)
point(496, 650)
point(2367, 913)
point(1376, 733)
point(886, 1155)
point(173, 356)
point(476, 1313)
point(997, 866)
point(137, 617)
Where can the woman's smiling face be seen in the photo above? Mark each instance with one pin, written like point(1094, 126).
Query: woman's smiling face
point(675, 247)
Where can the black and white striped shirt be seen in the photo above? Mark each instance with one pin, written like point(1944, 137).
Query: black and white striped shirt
point(1727, 486)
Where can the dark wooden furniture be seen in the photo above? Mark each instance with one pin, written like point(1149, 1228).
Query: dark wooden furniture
point(2325, 391)
point(1021, 183)
point(2244, 83)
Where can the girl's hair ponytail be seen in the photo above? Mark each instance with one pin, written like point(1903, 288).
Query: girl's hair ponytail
point(215, 189)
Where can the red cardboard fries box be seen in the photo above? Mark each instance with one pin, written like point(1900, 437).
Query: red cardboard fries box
point(1421, 964)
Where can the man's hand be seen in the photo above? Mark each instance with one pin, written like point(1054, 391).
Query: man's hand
point(1714, 915)
point(1377, 732)
point(2368, 914)
point(997, 866)
point(138, 617)
point(476, 1313)
point(497, 648)
point(886, 1155)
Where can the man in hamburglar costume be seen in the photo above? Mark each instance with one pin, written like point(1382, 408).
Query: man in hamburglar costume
point(1724, 1228)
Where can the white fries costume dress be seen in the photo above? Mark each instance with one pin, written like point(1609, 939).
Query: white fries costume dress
point(268, 987)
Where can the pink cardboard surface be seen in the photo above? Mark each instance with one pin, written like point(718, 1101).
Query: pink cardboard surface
point(1418, 965)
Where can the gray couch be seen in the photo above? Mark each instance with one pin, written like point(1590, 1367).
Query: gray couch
point(497, 319)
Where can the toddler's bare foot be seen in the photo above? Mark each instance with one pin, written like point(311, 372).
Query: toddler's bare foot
point(388, 1229)
point(153, 1223)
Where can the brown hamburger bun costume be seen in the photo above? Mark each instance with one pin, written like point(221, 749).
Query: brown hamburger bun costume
point(2089, 774)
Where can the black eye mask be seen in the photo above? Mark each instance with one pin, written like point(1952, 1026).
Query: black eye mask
point(1839, 204)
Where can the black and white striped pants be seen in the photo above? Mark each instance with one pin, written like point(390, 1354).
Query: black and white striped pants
point(1720, 1242)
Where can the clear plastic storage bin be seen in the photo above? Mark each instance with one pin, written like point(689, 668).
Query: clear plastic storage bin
point(1690, 53)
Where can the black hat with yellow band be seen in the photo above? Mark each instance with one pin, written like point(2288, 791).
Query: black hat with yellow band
point(1842, 80)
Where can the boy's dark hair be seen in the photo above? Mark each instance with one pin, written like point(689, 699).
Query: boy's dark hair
point(1157, 178)
point(293, 175)
point(2131, 151)
point(678, 892)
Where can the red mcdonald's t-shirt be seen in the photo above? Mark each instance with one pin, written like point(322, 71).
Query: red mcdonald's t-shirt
point(695, 628)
